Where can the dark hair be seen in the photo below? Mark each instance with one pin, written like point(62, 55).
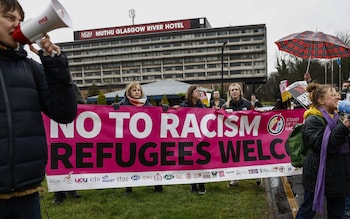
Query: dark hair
point(12, 5)
point(189, 93)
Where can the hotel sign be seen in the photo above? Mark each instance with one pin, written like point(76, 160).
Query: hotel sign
point(132, 29)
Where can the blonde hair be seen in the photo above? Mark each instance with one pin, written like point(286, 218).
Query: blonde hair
point(229, 98)
point(132, 85)
point(317, 91)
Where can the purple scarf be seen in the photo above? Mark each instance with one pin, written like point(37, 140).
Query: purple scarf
point(320, 183)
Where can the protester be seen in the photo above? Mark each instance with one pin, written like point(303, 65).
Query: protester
point(254, 101)
point(326, 169)
point(60, 196)
point(279, 104)
point(288, 104)
point(237, 102)
point(345, 90)
point(235, 99)
point(193, 99)
point(307, 77)
point(216, 101)
point(28, 89)
point(134, 96)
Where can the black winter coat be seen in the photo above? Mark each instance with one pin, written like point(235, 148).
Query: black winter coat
point(337, 176)
point(241, 104)
point(199, 104)
point(221, 102)
point(27, 89)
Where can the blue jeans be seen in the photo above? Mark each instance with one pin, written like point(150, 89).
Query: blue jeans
point(26, 207)
point(335, 207)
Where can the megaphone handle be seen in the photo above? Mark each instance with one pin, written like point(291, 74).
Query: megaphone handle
point(38, 42)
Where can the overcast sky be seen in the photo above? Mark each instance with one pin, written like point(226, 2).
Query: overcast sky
point(281, 17)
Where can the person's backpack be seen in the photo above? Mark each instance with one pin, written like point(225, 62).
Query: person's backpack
point(295, 144)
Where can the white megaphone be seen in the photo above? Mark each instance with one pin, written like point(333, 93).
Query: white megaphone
point(32, 30)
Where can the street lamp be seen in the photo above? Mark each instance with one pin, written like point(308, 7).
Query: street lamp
point(222, 66)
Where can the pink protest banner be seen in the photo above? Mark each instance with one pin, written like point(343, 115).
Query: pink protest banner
point(136, 146)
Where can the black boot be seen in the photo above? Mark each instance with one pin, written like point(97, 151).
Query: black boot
point(74, 194)
point(193, 188)
point(202, 189)
point(258, 182)
point(128, 190)
point(158, 188)
point(58, 198)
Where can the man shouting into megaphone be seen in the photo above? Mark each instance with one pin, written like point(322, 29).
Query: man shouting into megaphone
point(28, 89)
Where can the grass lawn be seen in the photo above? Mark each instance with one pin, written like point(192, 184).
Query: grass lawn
point(244, 201)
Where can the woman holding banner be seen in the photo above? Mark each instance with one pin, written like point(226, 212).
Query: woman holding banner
point(193, 99)
point(236, 102)
point(134, 96)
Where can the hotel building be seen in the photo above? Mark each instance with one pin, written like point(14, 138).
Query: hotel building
point(187, 50)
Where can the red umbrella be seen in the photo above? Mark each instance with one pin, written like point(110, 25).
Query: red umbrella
point(309, 44)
